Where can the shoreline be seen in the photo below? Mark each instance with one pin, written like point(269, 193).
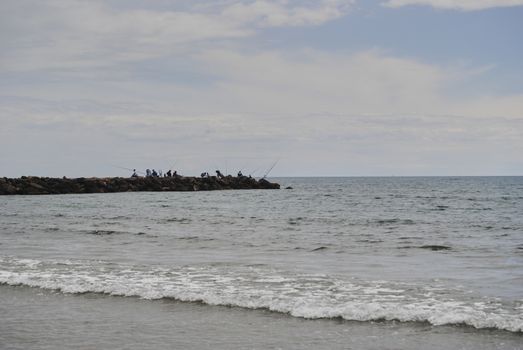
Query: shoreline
point(34, 185)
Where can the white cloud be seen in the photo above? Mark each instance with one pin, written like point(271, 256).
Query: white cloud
point(464, 5)
point(64, 34)
point(82, 139)
point(312, 81)
point(305, 97)
point(508, 106)
point(298, 83)
point(279, 13)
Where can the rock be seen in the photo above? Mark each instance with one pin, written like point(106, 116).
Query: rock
point(45, 185)
point(268, 185)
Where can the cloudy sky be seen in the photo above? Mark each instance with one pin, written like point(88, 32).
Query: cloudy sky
point(327, 87)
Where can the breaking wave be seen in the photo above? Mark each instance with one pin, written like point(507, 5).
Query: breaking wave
point(258, 287)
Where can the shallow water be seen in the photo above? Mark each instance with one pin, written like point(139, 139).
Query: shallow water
point(439, 258)
point(41, 319)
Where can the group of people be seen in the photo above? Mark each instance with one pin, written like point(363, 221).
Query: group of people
point(219, 174)
point(154, 173)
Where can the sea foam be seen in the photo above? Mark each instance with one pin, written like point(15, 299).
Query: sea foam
point(299, 295)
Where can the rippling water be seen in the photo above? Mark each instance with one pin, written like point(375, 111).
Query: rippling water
point(440, 251)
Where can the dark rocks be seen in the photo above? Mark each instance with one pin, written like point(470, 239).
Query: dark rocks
point(45, 185)
point(266, 184)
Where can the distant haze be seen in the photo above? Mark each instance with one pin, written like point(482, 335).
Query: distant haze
point(327, 87)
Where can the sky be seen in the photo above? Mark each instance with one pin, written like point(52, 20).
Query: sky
point(323, 88)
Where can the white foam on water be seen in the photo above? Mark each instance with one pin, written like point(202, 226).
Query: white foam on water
point(306, 296)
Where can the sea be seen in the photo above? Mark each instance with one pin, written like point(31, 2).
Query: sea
point(331, 263)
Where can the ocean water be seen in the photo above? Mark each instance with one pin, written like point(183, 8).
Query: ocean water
point(334, 263)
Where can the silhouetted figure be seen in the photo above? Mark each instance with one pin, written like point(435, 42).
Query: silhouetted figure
point(134, 173)
point(148, 172)
point(168, 173)
point(154, 173)
point(219, 174)
point(240, 173)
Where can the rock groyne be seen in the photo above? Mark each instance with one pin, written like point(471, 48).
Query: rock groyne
point(46, 185)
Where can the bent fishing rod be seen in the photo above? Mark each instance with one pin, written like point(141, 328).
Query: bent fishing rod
point(272, 167)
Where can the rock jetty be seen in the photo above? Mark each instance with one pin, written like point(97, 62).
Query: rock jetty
point(47, 185)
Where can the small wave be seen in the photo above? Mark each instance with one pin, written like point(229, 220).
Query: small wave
point(118, 217)
point(394, 221)
point(435, 247)
point(319, 248)
point(371, 241)
point(178, 220)
point(103, 232)
point(408, 237)
point(387, 221)
point(295, 221)
point(196, 238)
point(256, 287)
point(441, 207)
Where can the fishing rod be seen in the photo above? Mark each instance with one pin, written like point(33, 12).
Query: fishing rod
point(254, 171)
point(268, 171)
point(124, 168)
